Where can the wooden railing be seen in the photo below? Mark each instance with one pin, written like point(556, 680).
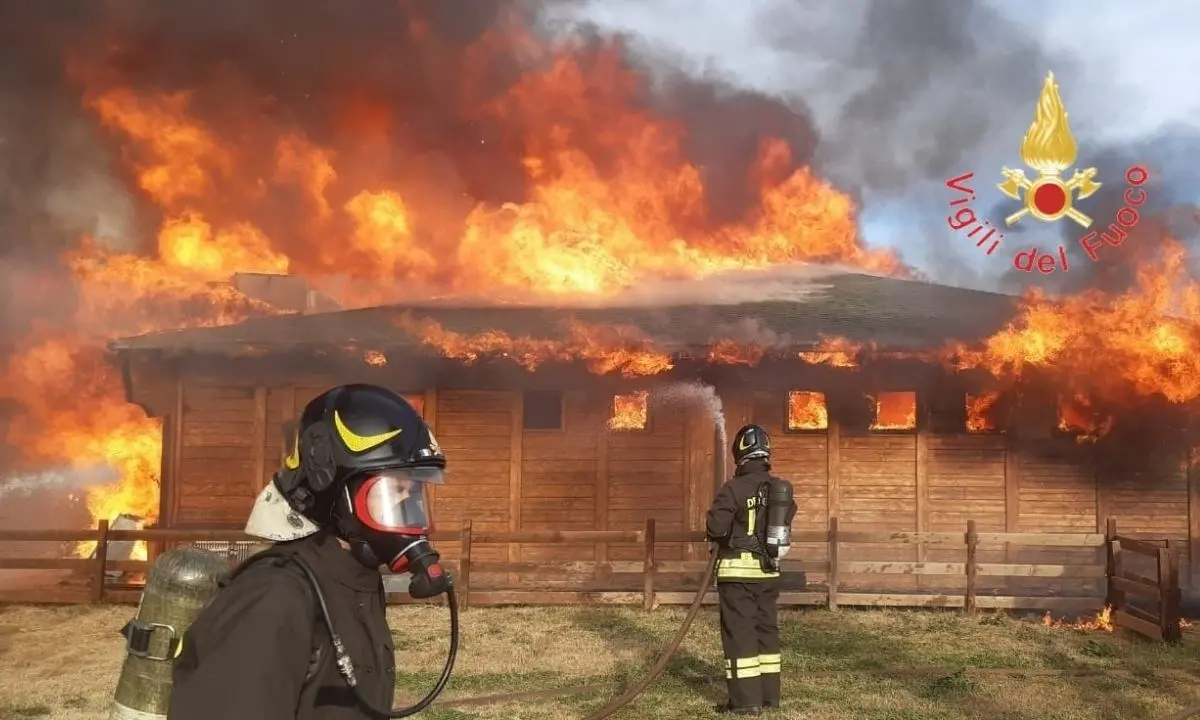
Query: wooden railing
point(1162, 590)
point(665, 582)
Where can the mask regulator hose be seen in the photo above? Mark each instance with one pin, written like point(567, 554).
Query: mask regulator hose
point(345, 665)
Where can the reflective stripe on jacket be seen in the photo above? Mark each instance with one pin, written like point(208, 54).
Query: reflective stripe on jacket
point(744, 566)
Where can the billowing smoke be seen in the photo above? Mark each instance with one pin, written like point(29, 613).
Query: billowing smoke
point(904, 96)
point(699, 395)
point(900, 92)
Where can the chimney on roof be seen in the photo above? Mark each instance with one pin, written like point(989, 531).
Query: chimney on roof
point(289, 293)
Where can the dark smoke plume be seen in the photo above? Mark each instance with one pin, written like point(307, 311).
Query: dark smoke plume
point(904, 96)
point(902, 92)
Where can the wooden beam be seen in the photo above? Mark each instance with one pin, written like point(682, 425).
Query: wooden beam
point(259, 433)
point(1012, 492)
point(922, 491)
point(699, 449)
point(689, 483)
point(600, 500)
point(1193, 484)
point(430, 414)
point(833, 468)
point(287, 411)
point(176, 452)
point(515, 461)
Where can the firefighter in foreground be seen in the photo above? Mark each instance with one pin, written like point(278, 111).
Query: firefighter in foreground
point(751, 520)
point(352, 496)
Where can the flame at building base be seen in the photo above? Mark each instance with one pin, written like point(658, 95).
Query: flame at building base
point(1102, 622)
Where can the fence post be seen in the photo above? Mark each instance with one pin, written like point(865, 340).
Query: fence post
point(648, 567)
point(972, 550)
point(1112, 596)
point(833, 563)
point(100, 558)
point(464, 566)
point(1168, 593)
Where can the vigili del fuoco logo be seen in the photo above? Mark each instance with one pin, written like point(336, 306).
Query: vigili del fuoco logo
point(1049, 150)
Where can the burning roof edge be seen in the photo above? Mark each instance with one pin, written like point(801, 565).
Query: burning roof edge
point(888, 312)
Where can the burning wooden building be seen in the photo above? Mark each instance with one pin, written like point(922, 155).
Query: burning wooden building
point(586, 418)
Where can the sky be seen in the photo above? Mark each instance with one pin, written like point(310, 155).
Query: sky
point(1126, 78)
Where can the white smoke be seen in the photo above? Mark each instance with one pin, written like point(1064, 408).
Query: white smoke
point(696, 394)
point(61, 478)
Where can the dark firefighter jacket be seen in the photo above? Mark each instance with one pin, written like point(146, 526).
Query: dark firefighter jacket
point(247, 654)
point(734, 522)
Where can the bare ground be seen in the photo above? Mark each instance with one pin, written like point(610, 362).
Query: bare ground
point(62, 664)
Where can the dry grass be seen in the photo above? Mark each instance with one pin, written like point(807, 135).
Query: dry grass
point(62, 664)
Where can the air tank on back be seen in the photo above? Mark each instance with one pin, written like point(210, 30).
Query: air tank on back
point(779, 533)
point(179, 585)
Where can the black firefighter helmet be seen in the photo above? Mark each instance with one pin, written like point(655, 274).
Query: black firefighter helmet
point(362, 460)
point(751, 443)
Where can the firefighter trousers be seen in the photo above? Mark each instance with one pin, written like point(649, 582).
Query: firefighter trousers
point(750, 639)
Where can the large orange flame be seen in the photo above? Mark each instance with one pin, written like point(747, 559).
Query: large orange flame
point(1105, 348)
point(610, 200)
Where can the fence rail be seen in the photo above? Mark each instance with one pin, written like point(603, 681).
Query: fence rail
point(592, 581)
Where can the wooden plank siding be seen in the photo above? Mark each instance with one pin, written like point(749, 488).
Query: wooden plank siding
point(218, 455)
point(474, 428)
point(559, 480)
point(646, 479)
point(966, 482)
point(227, 439)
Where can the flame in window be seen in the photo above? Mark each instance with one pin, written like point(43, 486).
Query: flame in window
point(807, 411)
point(979, 412)
point(629, 412)
point(894, 410)
point(374, 358)
point(417, 401)
point(1077, 416)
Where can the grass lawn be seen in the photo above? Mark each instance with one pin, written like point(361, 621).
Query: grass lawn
point(62, 663)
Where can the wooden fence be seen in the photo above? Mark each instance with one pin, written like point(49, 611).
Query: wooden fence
point(661, 580)
point(1162, 590)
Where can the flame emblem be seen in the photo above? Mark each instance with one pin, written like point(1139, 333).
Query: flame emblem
point(1049, 148)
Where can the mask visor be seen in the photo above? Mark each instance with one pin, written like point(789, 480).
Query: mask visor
point(397, 501)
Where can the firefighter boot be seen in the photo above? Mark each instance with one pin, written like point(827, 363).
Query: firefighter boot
point(730, 710)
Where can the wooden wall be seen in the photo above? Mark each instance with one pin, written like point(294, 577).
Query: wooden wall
point(921, 481)
point(226, 441)
point(500, 475)
point(221, 443)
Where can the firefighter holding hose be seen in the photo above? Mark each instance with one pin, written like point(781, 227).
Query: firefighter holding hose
point(299, 630)
point(750, 520)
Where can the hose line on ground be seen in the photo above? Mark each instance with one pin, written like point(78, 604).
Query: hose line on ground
point(639, 687)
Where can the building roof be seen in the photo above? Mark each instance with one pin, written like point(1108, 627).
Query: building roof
point(891, 313)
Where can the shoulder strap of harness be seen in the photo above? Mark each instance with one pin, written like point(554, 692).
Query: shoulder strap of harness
point(284, 559)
